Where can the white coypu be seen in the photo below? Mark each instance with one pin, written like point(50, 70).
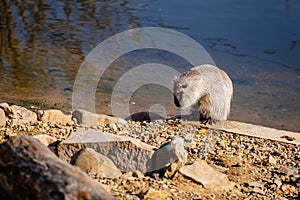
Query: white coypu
point(205, 89)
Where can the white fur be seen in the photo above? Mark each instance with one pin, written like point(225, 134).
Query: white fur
point(207, 87)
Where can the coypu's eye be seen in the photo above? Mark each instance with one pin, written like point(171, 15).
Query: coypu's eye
point(184, 85)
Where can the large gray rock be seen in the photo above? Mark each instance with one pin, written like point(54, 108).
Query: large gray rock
point(83, 117)
point(29, 170)
point(90, 161)
point(23, 115)
point(210, 178)
point(2, 118)
point(128, 154)
point(53, 116)
point(167, 154)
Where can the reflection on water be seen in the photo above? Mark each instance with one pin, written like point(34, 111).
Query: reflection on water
point(43, 44)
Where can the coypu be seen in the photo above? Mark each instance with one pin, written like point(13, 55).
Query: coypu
point(205, 90)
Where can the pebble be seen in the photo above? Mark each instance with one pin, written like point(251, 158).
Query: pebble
point(288, 188)
point(272, 160)
point(253, 184)
point(288, 171)
point(278, 182)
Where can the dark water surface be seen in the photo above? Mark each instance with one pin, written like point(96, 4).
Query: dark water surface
point(43, 44)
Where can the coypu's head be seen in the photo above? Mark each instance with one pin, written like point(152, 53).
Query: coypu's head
point(184, 90)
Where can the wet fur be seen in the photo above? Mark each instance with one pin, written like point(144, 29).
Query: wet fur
point(207, 89)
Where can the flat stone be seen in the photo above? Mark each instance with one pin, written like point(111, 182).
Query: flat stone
point(156, 194)
point(128, 154)
point(253, 184)
point(2, 118)
point(23, 115)
point(254, 131)
point(167, 154)
point(86, 118)
point(45, 139)
point(29, 170)
point(53, 116)
point(89, 161)
point(202, 173)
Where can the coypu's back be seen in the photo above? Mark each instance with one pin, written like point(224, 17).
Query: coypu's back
point(205, 88)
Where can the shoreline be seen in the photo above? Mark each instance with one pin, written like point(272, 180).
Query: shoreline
point(258, 167)
point(65, 106)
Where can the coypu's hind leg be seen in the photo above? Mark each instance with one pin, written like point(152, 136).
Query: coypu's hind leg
point(209, 121)
point(205, 109)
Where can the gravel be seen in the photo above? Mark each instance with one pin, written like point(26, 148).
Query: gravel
point(260, 168)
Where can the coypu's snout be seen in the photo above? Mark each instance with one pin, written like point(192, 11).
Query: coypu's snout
point(176, 101)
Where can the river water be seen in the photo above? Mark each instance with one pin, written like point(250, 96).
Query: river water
point(43, 44)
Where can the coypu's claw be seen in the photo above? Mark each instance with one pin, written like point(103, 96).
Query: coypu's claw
point(209, 121)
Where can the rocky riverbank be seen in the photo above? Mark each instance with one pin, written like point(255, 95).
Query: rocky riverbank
point(238, 167)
